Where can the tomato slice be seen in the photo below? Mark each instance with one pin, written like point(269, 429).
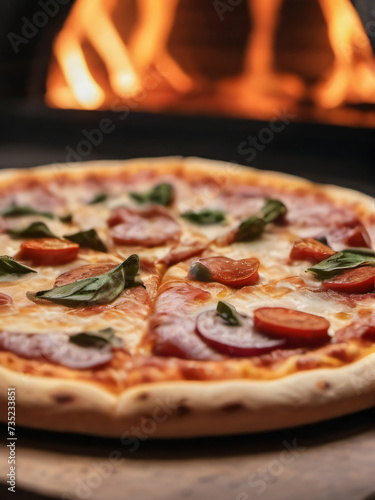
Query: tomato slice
point(310, 249)
point(359, 280)
point(5, 299)
point(49, 251)
point(235, 273)
point(234, 340)
point(296, 327)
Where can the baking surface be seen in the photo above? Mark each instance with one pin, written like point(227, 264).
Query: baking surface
point(331, 459)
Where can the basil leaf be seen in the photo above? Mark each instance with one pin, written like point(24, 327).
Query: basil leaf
point(15, 210)
point(96, 290)
point(98, 198)
point(10, 267)
point(272, 210)
point(88, 239)
point(205, 217)
point(161, 194)
point(34, 230)
point(66, 219)
point(250, 229)
point(200, 272)
point(228, 313)
point(96, 338)
point(342, 261)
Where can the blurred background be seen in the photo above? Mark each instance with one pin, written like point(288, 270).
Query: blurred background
point(285, 85)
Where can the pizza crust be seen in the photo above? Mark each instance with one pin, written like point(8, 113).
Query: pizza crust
point(188, 408)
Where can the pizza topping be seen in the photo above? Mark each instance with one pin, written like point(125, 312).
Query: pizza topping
point(273, 211)
point(5, 299)
point(356, 236)
point(296, 327)
point(232, 333)
point(55, 348)
point(83, 272)
point(15, 210)
point(49, 251)
point(342, 261)
point(151, 227)
point(66, 219)
point(98, 198)
point(183, 251)
point(235, 273)
point(10, 268)
point(310, 249)
point(161, 194)
point(254, 226)
point(98, 338)
point(204, 217)
point(34, 230)
point(97, 290)
point(88, 239)
point(359, 280)
point(359, 329)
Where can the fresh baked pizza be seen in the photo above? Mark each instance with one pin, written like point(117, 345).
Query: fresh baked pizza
point(183, 297)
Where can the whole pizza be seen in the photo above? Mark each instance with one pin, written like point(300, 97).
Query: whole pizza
point(183, 297)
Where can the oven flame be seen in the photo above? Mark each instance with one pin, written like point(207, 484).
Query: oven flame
point(95, 64)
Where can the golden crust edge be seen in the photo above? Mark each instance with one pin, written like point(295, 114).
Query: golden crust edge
point(190, 408)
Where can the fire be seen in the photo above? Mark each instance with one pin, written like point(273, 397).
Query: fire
point(94, 62)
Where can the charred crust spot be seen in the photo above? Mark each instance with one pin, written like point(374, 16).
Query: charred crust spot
point(233, 407)
point(323, 385)
point(143, 396)
point(182, 410)
point(63, 398)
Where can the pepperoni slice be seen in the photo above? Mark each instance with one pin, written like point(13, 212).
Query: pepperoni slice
point(5, 299)
point(49, 251)
point(296, 327)
point(183, 251)
point(362, 329)
point(151, 227)
point(234, 340)
point(359, 280)
point(356, 236)
point(172, 327)
point(235, 273)
point(310, 249)
point(54, 348)
point(83, 272)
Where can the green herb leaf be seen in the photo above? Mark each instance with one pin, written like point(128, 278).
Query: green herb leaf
point(205, 217)
point(342, 261)
point(66, 219)
point(15, 210)
point(96, 338)
point(96, 290)
point(250, 229)
point(9, 267)
point(161, 194)
point(228, 313)
point(272, 210)
point(88, 239)
point(199, 272)
point(34, 230)
point(98, 198)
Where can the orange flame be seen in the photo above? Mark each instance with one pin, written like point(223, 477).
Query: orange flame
point(94, 63)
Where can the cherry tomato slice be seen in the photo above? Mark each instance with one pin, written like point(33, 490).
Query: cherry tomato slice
point(235, 273)
point(359, 280)
point(49, 251)
point(234, 340)
point(310, 249)
point(5, 299)
point(296, 327)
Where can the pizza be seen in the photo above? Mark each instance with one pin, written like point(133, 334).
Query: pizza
point(183, 297)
